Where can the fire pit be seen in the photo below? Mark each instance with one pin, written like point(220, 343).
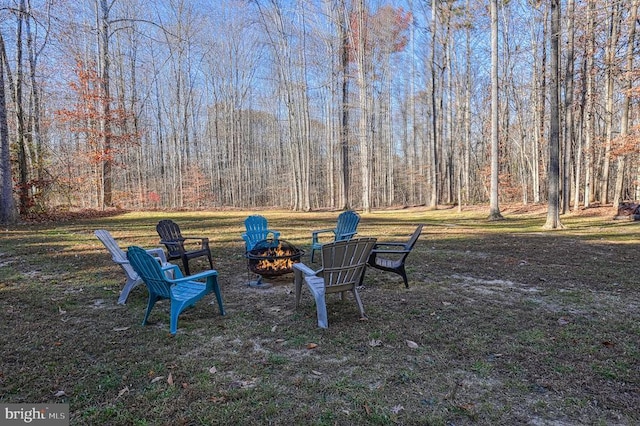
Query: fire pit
point(270, 258)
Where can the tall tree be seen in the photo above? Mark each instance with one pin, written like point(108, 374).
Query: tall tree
point(610, 57)
point(569, 130)
point(494, 208)
point(553, 212)
point(343, 15)
point(363, 103)
point(433, 146)
point(8, 213)
point(103, 8)
point(589, 120)
point(626, 106)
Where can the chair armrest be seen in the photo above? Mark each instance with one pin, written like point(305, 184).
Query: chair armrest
point(389, 244)
point(387, 248)
point(300, 271)
point(175, 243)
point(194, 277)
point(276, 234)
point(304, 269)
point(204, 242)
point(196, 238)
point(346, 236)
point(159, 253)
point(173, 269)
point(314, 235)
point(319, 231)
point(388, 251)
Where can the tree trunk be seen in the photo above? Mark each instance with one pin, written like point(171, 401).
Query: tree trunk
point(344, 117)
point(589, 131)
point(433, 146)
point(569, 132)
point(105, 102)
point(626, 106)
point(610, 55)
point(494, 209)
point(553, 212)
point(8, 213)
point(363, 98)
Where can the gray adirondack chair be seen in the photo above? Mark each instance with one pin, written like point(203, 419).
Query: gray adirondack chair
point(183, 292)
point(346, 228)
point(343, 263)
point(120, 258)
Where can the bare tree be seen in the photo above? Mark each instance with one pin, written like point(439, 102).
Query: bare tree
point(626, 105)
point(553, 212)
point(610, 57)
point(569, 130)
point(494, 208)
point(589, 129)
point(8, 213)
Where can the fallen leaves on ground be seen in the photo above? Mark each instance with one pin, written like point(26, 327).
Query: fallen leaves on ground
point(412, 344)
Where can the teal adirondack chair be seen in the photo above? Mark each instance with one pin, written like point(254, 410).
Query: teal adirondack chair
point(257, 229)
point(345, 229)
point(183, 291)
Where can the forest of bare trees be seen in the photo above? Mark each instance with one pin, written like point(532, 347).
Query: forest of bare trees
point(309, 104)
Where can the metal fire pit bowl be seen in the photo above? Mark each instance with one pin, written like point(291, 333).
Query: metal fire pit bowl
point(270, 258)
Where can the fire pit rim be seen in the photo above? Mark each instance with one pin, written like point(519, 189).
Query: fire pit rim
point(296, 255)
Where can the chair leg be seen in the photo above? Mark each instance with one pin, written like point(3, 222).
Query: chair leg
point(297, 282)
point(216, 290)
point(176, 309)
point(210, 259)
point(128, 286)
point(313, 251)
point(185, 264)
point(153, 298)
point(321, 310)
point(403, 274)
point(364, 270)
point(359, 302)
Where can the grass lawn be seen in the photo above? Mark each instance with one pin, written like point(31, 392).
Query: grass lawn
point(503, 323)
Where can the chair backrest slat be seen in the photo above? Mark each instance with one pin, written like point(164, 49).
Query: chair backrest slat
point(414, 238)
point(170, 231)
point(255, 223)
point(347, 225)
point(149, 270)
point(344, 261)
point(116, 252)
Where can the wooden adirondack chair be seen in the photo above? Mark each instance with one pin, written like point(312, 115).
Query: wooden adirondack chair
point(173, 240)
point(343, 263)
point(391, 256)
point(120, 258)
point(257, 229)
point(345, 229)
point(183, 292)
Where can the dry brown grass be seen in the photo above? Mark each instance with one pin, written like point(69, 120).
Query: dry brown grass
point(513, 325)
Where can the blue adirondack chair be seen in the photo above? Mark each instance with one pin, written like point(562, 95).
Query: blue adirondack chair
point(257, 230)
point(345, 229)
point(182, 291)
